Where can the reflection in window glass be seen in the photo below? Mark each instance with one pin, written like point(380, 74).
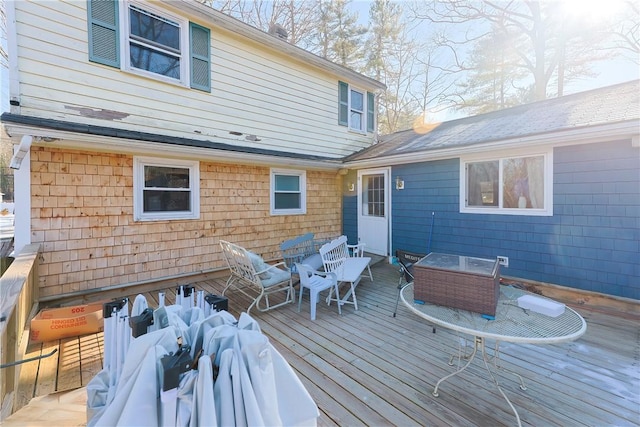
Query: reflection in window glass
point(357, 110)
point(287, 201)
point(287, 194)
point(287, 183)
point(154, 43)
point(507, 183)
point(523, 183)
point(155, 62)
point(165, 201)
point(160, 176)
point(166, 189)
point(151, 28)
point(482, 184)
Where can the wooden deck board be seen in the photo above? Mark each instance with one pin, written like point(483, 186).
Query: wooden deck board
point(69, 373)
point(28, 375)
point(367, 367)
point(48, 369)
point(92, 359)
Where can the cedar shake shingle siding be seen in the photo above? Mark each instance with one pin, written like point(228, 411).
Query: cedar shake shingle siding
point(82, 213)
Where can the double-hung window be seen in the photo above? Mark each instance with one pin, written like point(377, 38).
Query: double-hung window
point(155, 43)
point(165, 189)
point(356, 108)
point(516, 184)
point(288, 192)
point(151, 42)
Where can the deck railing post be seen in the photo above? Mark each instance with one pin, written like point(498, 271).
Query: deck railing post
point(18, 302)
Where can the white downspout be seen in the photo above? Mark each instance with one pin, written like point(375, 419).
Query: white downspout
point(12, 53)
point(22, 172)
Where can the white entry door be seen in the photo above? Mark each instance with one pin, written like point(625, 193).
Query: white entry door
point(373, 210)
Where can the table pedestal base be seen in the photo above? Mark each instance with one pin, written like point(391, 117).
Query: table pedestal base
point(479, 344)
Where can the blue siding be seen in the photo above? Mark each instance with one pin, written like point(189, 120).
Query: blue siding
point(592, 241)
point(350, 217)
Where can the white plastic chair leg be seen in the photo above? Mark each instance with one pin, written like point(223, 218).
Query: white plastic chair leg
point(313, 296)
point(300, 297)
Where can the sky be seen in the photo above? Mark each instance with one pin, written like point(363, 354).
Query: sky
point(608, 73)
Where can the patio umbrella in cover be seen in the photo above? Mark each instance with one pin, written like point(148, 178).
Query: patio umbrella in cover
point(202, 370)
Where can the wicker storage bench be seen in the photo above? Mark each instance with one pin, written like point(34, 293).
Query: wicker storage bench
point(458, 281)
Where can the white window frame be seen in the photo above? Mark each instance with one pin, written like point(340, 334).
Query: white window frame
point(139, 164)
point(125, 43)
point(363, 112)
point(547, 155)
point(302, 176)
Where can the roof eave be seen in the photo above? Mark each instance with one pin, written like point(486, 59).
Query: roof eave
point(585, 135)
point(54, 138)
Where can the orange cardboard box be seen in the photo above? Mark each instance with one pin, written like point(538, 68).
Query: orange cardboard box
point(56, 323)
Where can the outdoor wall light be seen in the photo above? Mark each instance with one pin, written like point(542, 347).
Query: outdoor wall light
point(399, 183)
point(352, 186)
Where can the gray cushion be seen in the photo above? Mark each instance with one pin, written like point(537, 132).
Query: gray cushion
point(314, 261)
point(259, 265)
point(271, 277)
point(277, 276)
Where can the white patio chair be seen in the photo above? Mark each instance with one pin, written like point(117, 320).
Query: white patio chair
point(316, 282)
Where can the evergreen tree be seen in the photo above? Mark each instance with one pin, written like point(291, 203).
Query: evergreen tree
point(494, 80)
point(339, 36)
point(390, 56)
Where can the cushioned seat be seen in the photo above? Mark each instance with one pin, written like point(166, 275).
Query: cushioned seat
point(251, 275)
point(314, 261)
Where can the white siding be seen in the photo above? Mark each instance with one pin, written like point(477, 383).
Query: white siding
point(290, 106)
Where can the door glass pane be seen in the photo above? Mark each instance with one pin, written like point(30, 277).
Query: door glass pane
point(373, 195)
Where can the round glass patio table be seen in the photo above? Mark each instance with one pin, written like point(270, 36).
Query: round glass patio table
point(512, 324)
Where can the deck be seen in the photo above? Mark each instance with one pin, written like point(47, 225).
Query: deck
point(366, 367)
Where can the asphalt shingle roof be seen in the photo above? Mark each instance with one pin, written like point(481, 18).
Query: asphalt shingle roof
point(610, 104)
